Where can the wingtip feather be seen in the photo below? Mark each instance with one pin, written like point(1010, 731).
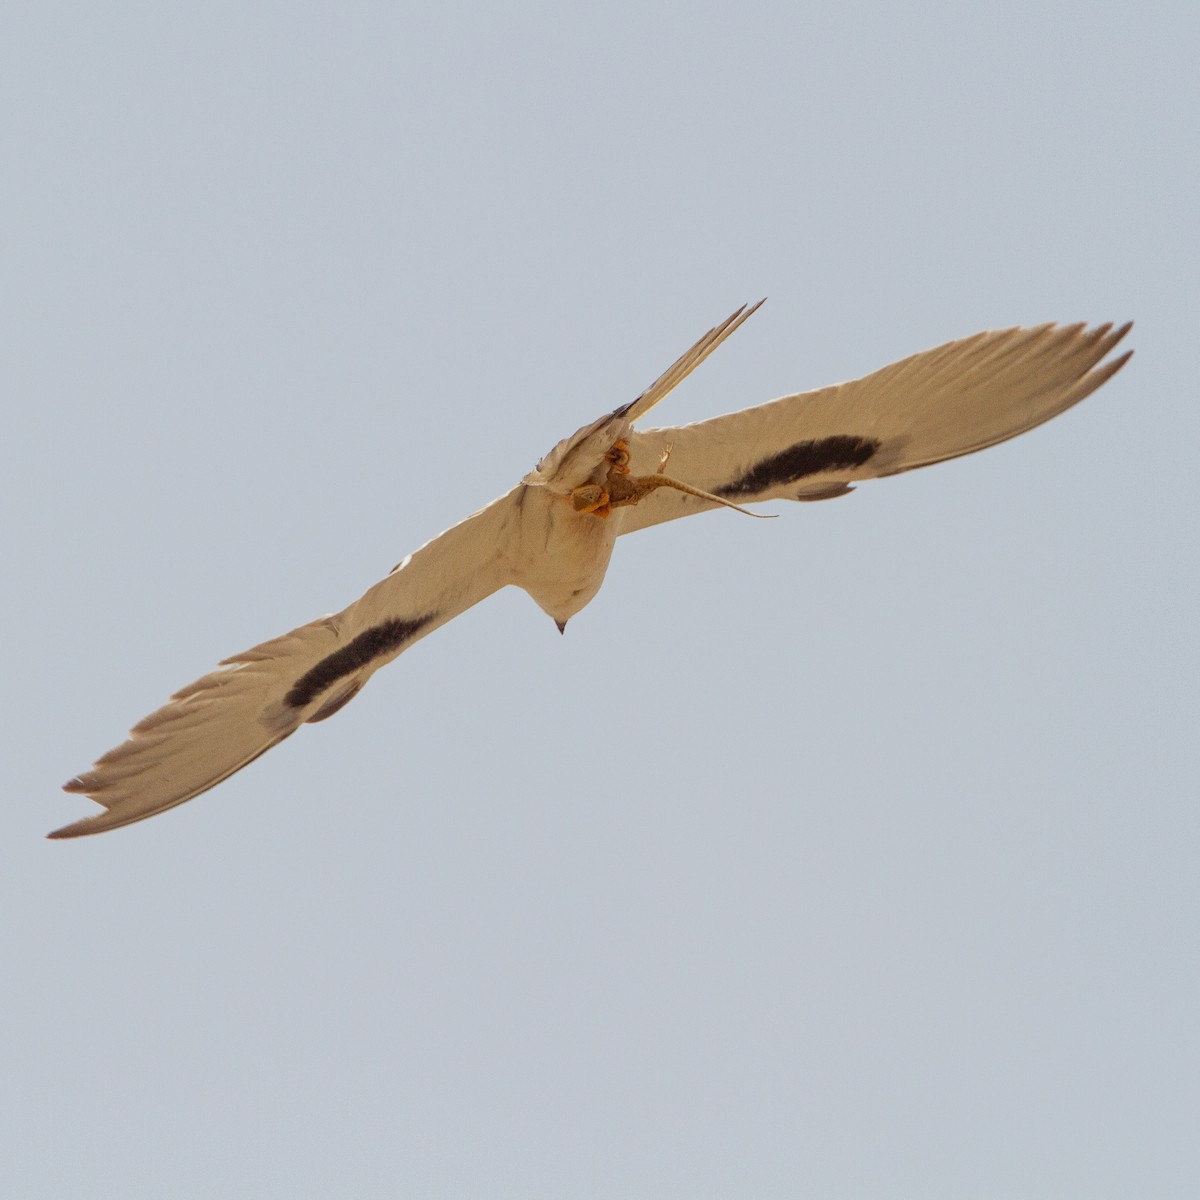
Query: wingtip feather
point(82, 827)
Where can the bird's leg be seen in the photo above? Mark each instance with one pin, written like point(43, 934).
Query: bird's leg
point(619, 457)
point(594, 497)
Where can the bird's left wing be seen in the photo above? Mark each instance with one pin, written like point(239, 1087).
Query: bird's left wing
point(939, 404)
point(252, 701)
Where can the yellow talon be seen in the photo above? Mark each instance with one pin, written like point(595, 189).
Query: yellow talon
point(619, 456)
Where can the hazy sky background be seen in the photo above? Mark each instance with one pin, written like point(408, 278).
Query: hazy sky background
point(852, 854)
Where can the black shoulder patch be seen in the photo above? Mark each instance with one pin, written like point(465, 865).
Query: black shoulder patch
point(373, 643)
point(801, 460)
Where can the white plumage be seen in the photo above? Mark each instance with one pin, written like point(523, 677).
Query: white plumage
point(553, 534)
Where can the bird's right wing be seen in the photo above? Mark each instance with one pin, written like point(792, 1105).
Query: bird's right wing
point(252, 701)
point(939, 404)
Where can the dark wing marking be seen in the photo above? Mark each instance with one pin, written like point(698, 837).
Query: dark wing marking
point(797, 462)
point(379, 641)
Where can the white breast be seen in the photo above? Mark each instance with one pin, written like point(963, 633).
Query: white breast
point(561, 555)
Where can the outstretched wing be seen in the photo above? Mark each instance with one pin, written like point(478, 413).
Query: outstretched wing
point(939, 404)
point(254, 700)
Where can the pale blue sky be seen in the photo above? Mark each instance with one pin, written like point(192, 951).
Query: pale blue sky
point(850, 854)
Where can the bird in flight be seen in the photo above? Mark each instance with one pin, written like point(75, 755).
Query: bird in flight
point(554, 533)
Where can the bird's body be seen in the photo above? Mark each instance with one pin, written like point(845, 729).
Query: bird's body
point(561, 556)
point(553, 534)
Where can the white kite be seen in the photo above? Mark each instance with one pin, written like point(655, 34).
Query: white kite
point(554, 532)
